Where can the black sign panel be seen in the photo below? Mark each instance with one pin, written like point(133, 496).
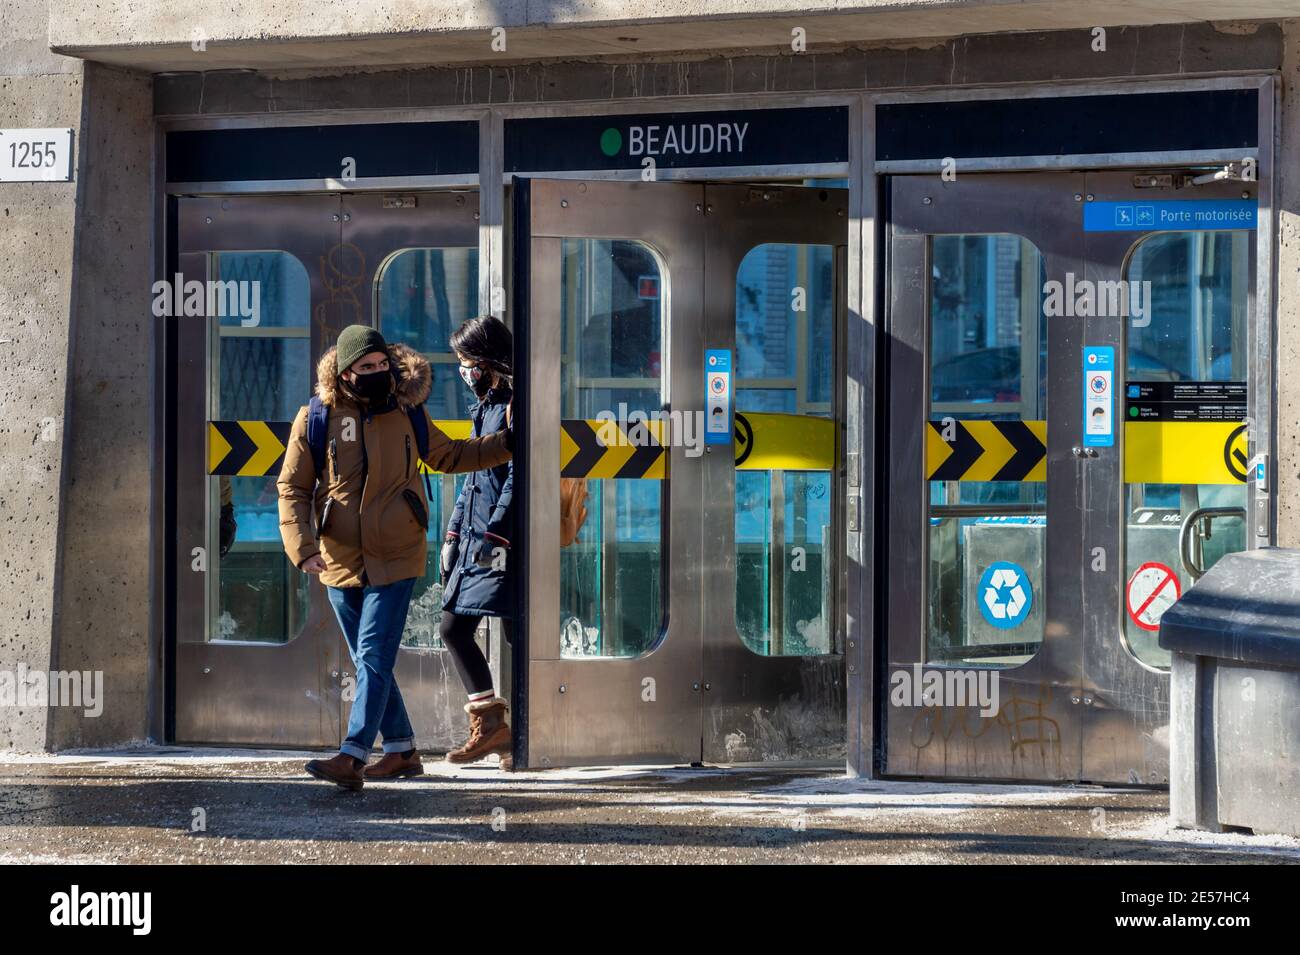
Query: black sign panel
point(755, 137)
point(1068, 125)
point(1185, 400)
point(318, 152)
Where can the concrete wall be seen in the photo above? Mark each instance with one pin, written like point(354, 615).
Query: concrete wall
point(1151, 51)
point(161, 35)
point(102, 591)
point(74, 407)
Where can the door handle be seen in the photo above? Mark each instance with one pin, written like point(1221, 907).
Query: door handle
point(1199, 515)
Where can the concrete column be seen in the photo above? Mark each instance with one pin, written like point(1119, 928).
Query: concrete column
point(37, 89)
point(75, 355)
point(1288, 295)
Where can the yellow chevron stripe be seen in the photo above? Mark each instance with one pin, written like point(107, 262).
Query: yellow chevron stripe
point(268, 450)
point(218, 447)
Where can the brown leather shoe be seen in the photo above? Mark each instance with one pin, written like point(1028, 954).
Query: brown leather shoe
point(395, 766)
point(342, 770)
point(488, 732)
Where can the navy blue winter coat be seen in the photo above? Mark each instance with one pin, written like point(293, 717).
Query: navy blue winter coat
point(482, 521)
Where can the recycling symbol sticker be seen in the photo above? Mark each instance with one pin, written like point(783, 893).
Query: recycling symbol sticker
point(1005, 594)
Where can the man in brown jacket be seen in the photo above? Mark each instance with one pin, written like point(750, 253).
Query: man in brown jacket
point(361, 524)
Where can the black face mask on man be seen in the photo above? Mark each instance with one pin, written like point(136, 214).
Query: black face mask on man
point(374, 386)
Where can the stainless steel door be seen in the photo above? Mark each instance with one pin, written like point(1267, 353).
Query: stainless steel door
point(627, 285)
point(260, 659)
point(1195, 289)
point(773, 686)
point(257, 654)
point(1011, 543)
point(637, 699)
point(966, 259)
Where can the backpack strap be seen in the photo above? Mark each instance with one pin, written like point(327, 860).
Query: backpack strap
point(318, 417)
point(420, 425)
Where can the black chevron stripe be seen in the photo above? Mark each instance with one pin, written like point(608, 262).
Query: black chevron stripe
point(1029, 451)
point(643, 458)
point(281, 431)
point(965, 452)
point(242, 447)
point(590, 449)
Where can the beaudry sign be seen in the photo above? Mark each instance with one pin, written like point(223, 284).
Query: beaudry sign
point(758, 137)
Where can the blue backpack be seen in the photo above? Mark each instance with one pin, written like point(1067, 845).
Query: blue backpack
point(318, 417)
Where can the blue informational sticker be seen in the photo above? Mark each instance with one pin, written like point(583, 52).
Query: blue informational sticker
point(718, 410)
point(1185, 215)
point(1099, 397)
point(1005, 594)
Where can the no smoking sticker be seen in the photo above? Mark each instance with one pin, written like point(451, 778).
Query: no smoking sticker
point(1151, 591)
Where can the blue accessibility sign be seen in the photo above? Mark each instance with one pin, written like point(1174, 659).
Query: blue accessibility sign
point(1184, 215)
point(1005, 594)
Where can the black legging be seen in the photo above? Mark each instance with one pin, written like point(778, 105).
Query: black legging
point(457, 632)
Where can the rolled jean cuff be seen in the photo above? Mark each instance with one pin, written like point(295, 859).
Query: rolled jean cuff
point(355, 751)
point(399, 745)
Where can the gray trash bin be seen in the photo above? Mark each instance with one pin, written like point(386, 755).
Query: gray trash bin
point(1235, 695)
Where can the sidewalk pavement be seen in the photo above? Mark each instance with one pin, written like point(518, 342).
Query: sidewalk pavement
point(168, 804)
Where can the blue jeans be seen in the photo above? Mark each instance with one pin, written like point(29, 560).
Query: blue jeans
point(373, 619)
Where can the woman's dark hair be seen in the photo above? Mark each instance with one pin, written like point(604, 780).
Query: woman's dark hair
point(486, 340)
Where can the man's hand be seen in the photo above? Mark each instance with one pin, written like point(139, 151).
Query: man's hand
point(315, 564)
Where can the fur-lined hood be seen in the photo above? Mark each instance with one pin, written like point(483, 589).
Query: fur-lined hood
point(415, 377)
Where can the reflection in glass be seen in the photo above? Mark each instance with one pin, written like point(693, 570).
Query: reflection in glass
point(785, 363)
point(261, 372)
point(1197, 332)
point(988, 354)
point(421, 297)
point(611, 576)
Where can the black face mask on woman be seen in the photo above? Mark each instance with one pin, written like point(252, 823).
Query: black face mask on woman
point(477, 378)
point(375, 386)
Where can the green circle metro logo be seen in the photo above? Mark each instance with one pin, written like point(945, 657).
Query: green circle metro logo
point(611, 141)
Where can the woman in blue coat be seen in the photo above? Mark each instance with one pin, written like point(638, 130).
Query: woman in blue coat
point(476, 562)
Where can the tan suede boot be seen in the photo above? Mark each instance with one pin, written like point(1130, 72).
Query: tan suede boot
point(488, 732)
point(395, 766)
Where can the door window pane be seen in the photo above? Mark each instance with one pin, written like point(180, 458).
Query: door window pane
point(421, 297)
point(1195, 332)
point(785, 364)
point(988, 354)
point(259, 372)
point(611, 575)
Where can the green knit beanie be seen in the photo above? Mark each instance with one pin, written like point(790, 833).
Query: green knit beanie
point(357, 341)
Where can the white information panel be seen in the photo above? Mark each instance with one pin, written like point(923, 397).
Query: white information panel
point(35, 155)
